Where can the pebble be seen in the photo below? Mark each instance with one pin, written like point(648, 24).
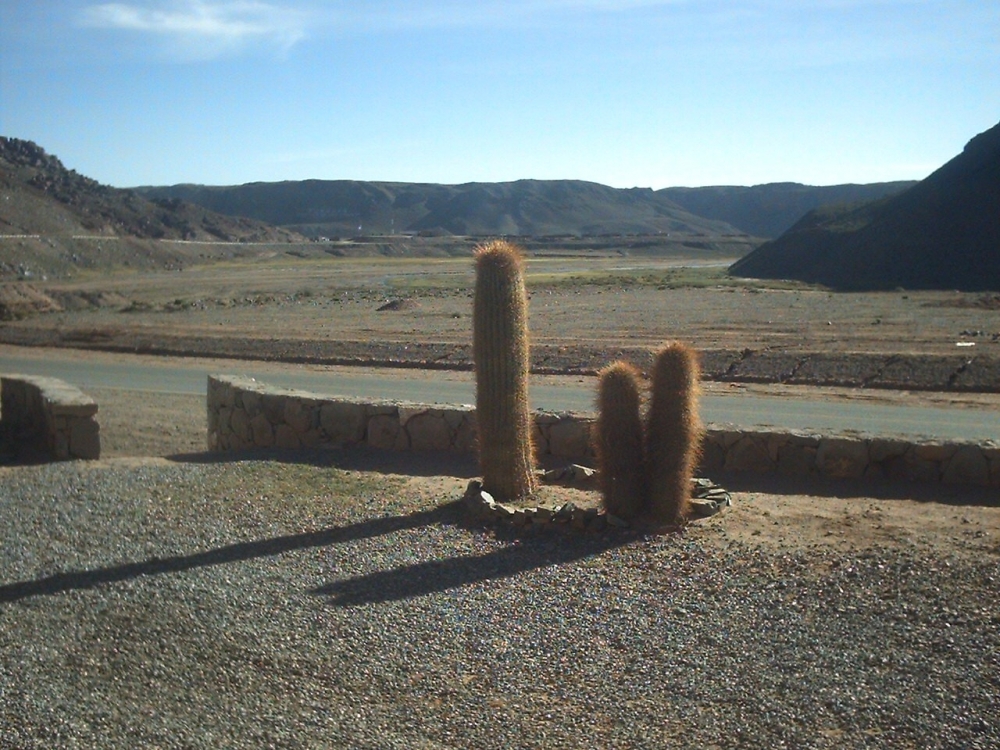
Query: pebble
point(266, 604)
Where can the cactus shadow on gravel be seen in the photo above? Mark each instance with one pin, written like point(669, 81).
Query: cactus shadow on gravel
point(451, 513)
point(432, 576)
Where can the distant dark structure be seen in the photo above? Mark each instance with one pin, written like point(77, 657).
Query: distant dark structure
point(942, 233)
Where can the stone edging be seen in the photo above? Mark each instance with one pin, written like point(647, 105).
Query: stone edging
point(244, 414)
point(707, 500)
point(49, 416)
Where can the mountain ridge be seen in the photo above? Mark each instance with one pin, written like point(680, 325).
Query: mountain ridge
point(520, 207)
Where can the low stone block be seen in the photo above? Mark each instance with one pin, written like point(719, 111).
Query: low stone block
point(296, 415)
point(797, 458)
point(60, 446)
point(934, 451)
point(713, 454)
point(569, 438)
point(384, 432)
point(286, 438)
point(240, 423)
point(730, 438)
point(68, 401)
point(455, 418)
point(428, 432)
point(993, 456)
point(85, 439)
point(881, 450)
point(222, 418)
point(842, 458)
point(250, 401)
point(343, 422)
point(261, 431)
point(748, 454)
point(919, 467)
point(967, 466)
point(273, 407)
point(466, 437)
point(311, 438)
point(221, 393)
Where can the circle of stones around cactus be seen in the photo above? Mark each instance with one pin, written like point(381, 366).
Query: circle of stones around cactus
point(707, 499)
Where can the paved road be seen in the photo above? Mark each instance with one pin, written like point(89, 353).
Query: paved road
point(168, 375)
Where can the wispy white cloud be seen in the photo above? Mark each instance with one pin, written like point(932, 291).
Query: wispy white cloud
point(394, 15)
point(204, 28)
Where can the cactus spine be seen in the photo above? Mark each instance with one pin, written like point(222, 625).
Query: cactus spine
point(673, 433)
point(619, 440)
point(501, 354)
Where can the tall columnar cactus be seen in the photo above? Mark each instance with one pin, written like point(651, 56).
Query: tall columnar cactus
point(673, 433)
point(619, 440)
point(501, 353)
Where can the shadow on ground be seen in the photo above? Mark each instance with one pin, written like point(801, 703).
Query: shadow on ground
point(449, 513)
point(519, 555)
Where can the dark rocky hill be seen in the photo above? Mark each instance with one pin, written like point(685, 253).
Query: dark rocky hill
point(942, 233)
point(524, 207)
point(769, 210)
point(54, 221)
point(41, 196)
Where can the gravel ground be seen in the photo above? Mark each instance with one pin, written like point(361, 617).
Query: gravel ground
point(317, 603)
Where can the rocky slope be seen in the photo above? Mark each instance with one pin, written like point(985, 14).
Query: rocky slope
point(942, 233)
point(53, 220)
point(771, 209)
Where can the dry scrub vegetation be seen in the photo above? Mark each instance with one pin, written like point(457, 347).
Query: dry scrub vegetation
point(613, 301)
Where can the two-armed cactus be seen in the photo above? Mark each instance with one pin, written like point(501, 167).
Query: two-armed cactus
point(501, 353)
point(646, 468)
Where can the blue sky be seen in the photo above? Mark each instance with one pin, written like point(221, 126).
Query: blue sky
point(648, 93)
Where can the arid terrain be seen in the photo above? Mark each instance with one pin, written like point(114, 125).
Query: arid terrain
point(167, 596)
point(417, 312)
point(609, 302)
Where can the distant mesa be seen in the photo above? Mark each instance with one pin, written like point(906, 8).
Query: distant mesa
point(523, 208)
point(941, 233)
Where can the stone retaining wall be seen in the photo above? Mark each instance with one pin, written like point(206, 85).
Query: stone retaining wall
point(244, 413)
point(45, 416)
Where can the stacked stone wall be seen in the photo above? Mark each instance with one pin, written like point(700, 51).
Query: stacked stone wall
point(245, 414)
point(42, 416)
